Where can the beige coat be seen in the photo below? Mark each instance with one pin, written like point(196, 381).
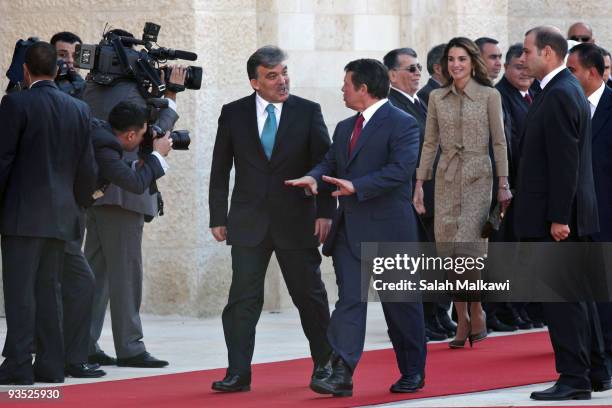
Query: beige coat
point(462, 125)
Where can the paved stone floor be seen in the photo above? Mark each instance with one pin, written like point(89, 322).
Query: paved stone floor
point(195, 344)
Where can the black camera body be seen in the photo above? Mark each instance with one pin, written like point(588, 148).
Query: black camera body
point(180, 138)
point(114, 59)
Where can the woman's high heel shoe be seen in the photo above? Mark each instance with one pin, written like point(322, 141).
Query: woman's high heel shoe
point(460, 343)
point(475, 338)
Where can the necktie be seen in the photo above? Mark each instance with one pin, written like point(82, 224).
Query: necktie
point(268, 134)
point(528, 98)
point(420, 106)
point(356, 133)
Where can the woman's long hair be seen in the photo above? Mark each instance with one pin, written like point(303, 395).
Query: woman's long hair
point(479, 69)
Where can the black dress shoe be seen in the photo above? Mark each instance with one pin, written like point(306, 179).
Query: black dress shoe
point(233, 383)
point(83, 370)
point(601, 385)
point(520, 323)
point(435, 336)
point(8, 379)
point(434, 325)
point(321, 371)
point(497, 325)
point(102, 359)
point(408, 383)
point(14, 374)
point(561, 392)
point(338, 384)
point(449, 326)
point(143, 360)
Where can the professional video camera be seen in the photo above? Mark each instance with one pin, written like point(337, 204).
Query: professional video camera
point(114, 59)
point(180, 138)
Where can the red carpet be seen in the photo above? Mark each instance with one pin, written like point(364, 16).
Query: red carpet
point(498, 362)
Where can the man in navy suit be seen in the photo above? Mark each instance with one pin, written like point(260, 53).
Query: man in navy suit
point(555, 202)
point(47, 170)
point(586, 61)
point(371, 163)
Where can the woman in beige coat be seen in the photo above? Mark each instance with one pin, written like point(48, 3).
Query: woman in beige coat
point(463, 117)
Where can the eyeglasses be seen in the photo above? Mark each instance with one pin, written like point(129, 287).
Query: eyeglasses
point(580, 38)
point(412, 68)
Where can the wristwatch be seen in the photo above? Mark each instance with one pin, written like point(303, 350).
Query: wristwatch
point(505, 186)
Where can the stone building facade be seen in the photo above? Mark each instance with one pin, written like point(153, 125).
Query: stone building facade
point(186, 272)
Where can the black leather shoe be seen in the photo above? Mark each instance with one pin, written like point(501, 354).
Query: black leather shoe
point(497, 325)
point(520, 323)
point(102, 359)
point(434, 335)
point(321, 371)
point(9, 379)
point(449, 326)
point(561, 392)
point(601, 385)
point(13, 374)
point(338, 384)
point(233, 383)
point(143, 360)
point(83, 370)
point(408, 383)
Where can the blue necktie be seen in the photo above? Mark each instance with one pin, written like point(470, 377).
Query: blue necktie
point(268, 134)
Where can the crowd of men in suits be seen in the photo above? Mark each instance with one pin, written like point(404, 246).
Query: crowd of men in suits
point(294, 189)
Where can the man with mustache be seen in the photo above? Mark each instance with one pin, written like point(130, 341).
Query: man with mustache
point(270, 136)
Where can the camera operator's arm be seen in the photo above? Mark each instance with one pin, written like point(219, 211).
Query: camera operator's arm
point(169, 116)
point(135, 180)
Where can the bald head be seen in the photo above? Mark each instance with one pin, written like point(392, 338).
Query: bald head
point(581, 32)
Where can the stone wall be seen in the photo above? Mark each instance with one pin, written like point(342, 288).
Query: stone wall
point(185, 271)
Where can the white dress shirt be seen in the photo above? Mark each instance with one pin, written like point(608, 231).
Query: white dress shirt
point(595, 97)
point(412, 99)
point(371, 110)
point(262, 113)
point(551, 75)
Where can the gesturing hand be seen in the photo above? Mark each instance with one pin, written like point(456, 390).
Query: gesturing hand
point(306, 182)
point(345, 187)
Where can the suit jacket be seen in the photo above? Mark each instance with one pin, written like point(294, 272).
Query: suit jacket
point(515, 107)
point(46, 162)
point(381, 168)
point(400, 101)
point(261, 203)
point(424, 92)
point(102, 99)
point(555, 178)
point(602, 164)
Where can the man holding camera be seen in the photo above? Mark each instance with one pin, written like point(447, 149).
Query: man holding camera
point(47, 170)
point(68, 79)
point(114, 235)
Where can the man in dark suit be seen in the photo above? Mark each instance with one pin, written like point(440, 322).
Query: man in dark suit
point(270, 136)
point(516, 99)
point(556, 201)
point(434, 68)
point(404, 75)
point(47, 170)
point(113, 245)
point(586, 62)
point(371, 163)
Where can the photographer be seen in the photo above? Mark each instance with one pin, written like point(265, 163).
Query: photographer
point(114, 232)
point(68, 79)
point(127, 124)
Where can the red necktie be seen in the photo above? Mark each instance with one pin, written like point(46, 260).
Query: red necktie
point(356, 133)
point(528, 98)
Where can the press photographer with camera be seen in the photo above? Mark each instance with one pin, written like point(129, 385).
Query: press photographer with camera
point(125, 131)
point(113, 245)
point(68, 79)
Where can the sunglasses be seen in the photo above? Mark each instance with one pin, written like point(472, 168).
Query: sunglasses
point(412, 68)
point(580, 38)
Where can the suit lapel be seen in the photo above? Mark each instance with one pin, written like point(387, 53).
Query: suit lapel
point(288, 115)
point(253, 130)
point(602, 113)
point(371, 126)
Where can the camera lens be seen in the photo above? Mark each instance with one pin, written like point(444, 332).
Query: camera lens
point(180, 139)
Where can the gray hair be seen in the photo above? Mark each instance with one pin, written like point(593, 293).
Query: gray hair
point(433, 57)
point(269, 56)
point(515, 51)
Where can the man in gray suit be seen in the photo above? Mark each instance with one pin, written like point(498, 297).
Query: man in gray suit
point(113, 244)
